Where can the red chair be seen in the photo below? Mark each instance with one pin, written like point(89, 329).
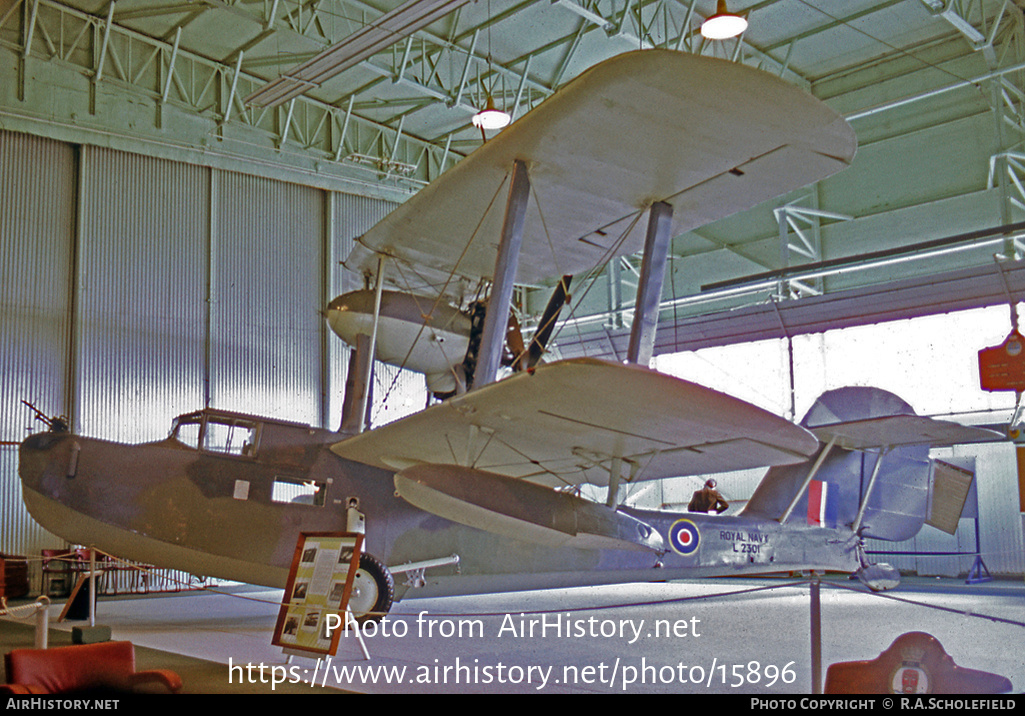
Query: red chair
point(59, 566)
point(87, 667)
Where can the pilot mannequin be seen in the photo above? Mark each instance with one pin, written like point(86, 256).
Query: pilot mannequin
point(707, 499)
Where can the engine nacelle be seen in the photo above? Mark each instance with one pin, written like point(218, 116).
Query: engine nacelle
point(412, 332)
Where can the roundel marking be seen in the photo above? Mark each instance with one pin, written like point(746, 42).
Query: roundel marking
point(684, 537)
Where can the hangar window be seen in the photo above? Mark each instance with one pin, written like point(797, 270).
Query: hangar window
point(298, 492)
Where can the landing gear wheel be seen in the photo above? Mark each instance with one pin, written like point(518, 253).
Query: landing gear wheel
point(373, 590)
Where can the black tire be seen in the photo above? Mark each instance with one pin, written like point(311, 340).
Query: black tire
point(373, 590)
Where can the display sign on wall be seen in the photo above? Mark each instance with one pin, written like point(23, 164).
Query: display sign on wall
point(312, 614)
point(1003, 367)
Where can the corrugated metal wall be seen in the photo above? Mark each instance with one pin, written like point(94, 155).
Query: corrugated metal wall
point(135, 289)
point(37, 212)
point(141, 289)
point(349, 216)
point(267, 283)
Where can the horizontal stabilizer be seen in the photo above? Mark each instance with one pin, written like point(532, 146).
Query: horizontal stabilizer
point(883, 496)
point(896, 430)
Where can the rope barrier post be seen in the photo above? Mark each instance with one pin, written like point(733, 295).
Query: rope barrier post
point(39, 608)
point(42, 639)
point(816, 638)
point(92, 587)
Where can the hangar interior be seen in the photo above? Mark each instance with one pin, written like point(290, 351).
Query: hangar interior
point(168, 244)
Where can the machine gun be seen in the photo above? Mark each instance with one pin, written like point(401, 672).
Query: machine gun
point(56, 424)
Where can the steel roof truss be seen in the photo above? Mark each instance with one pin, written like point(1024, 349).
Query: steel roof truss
point(118, 47)
point(613, 22)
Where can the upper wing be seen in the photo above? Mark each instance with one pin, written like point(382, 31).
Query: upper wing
point(566, 422)
point(708, 136)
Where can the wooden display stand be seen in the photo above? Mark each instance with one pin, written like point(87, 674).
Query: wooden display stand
point(77, 606)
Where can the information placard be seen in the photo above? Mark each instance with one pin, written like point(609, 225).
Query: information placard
point(1003, 367)
point(312, 614)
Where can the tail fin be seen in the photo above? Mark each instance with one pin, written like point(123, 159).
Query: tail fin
point(876, 447)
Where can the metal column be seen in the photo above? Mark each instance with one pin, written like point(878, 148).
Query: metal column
point(497, 318)
point(649, 290)
point(816, 637)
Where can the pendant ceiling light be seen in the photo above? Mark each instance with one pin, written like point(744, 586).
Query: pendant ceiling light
point(491, 117)
point(723, 24)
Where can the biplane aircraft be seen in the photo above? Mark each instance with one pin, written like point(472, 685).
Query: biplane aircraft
point(478, 492)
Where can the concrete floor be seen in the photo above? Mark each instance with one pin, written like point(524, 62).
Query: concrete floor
point(729, 636)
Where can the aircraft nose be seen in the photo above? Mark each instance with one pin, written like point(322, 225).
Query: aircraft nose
point(42, 453)
point(40, 441)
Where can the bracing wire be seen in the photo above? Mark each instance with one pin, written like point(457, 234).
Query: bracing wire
point(448, 281)
point(595, 271)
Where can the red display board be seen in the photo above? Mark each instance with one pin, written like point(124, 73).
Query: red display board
point(1003, 367)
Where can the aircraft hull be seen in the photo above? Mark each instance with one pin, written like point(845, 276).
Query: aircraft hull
point(81, 529)
point(160, 503)
point(77, 528)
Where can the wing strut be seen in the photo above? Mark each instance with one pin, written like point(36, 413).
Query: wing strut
point(614, 474)
point(868, 492)
point(649, 290)
point(361, 367)
point(808, 478)
point(495, 322)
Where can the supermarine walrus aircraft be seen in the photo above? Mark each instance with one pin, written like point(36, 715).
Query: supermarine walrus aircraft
point(476, 492)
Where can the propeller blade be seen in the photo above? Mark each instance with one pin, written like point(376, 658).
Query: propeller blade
point(539, 342)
